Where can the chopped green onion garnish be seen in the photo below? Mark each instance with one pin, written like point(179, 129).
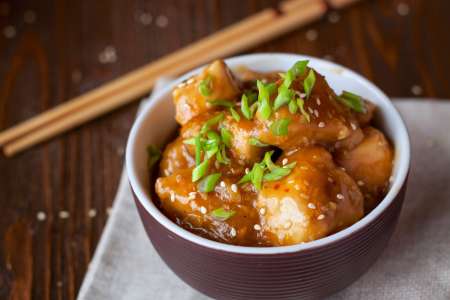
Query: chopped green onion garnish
point(198, 149)
point(227, 136)
point(208, 183)
point(293, 106)
point(353, 101)
point(200, 170)
point(279, 172)
point(267, 160)
point(190, 141)
point(211, 145)
point(211, 122)
point(264, 108)
point(222, 214)
point(221, 102)
point(284, 96)
point(296, 70)
point(204, 87)
point(154, 154)
point(257, 176)
point(222, 157)
point(235, 114)
point(280, 127)
point(301, 105)
point(255, 142)
point(309, 82)
point(245, 109)
point(271, 87)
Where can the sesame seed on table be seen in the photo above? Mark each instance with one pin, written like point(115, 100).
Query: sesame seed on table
point(56, 197)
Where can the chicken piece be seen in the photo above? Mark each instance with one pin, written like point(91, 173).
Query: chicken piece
point(241, 149)
point(176, 156)
point(330, 120)
point(189, 102)
point(367, 116)
point(316, 199)
point(370, 164)
point(181, 201)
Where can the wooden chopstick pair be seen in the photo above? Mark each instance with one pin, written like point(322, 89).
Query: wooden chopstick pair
point(251, 31)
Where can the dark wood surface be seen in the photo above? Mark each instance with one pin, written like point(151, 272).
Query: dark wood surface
point(50, 52)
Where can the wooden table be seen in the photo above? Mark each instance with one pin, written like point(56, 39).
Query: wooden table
point(54, 198)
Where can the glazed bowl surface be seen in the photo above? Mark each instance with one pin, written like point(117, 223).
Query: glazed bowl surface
point(309, 270)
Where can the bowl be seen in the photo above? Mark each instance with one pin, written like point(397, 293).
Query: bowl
point(309, 270)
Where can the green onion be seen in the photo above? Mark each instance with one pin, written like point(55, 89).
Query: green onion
point(301, 105)
point(208, 183)
point(264, 108)
point(251, 95)
point(284, 96)
point(221, 156)
point(204, 86)
point(211, 122)
point(279, 172)
point(198, 150)
point(212, 144)
point(280, 127)
point(221, 102)
point(267, 160)
point(257, 176)
point(154, 154)
point(200, 170)
point(227, 136)
point(222, 214)
point(190, 141)
point(309, 82)
point(293, 106)
point(271, 88)
point(255, 142)
point(235, 114)
point(353, 101)
point(296, 70)
point(245, 109)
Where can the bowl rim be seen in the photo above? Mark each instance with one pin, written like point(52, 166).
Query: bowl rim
point(403, 161)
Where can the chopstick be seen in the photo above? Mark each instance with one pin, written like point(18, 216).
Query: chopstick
point(253, 30)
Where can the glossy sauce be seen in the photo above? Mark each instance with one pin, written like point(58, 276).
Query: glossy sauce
point(342, 165)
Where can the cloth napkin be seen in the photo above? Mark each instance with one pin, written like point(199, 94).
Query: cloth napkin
point(415, 265)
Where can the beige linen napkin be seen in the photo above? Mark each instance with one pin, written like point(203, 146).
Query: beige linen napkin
point(415, 265)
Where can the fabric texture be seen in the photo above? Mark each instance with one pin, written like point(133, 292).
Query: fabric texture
point(415, 265)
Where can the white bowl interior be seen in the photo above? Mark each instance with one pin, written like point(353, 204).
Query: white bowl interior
point(156, 125)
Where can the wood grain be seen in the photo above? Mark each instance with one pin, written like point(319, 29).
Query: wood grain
point(56, 58)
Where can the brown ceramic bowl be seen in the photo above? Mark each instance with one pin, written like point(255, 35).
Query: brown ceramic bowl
point(309, 270)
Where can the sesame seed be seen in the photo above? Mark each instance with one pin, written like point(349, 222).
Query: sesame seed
point(203, 210)
point(340, 196)
point(257, 227)
point(216, 164)
point(145, 18)
point(222, 184)
point(262, 211)
point(353, 126)
point(234, 188)
point(287, 225)
point(330, 180)
point(403, 9)
point(162, 21)
point(416, 90)
point(360, 182)
point(29, 17)
point(191, 195)
point(172, 196)
point(318, 101)
point(302, 95)
point(285, 161)
point(9, 32)
point(311, 205)
point(306, 182)
point(311, 111)
point(64, 214)
point(41, 216)
point(108, 55)
point(321, 217)
point(92, 213)
point(304, 167)
point(311, 35)
point(178, 178)
point(297, 187)
point(321, 125)
point(190, 80)
point(333, 17)
point(233, 232)
point(247, 170)
point(304, 196)
point(316, 113)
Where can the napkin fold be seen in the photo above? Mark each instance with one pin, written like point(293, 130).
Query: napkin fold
point(415, 265)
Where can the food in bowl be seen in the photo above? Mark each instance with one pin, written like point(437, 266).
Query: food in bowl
point(270, 159)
